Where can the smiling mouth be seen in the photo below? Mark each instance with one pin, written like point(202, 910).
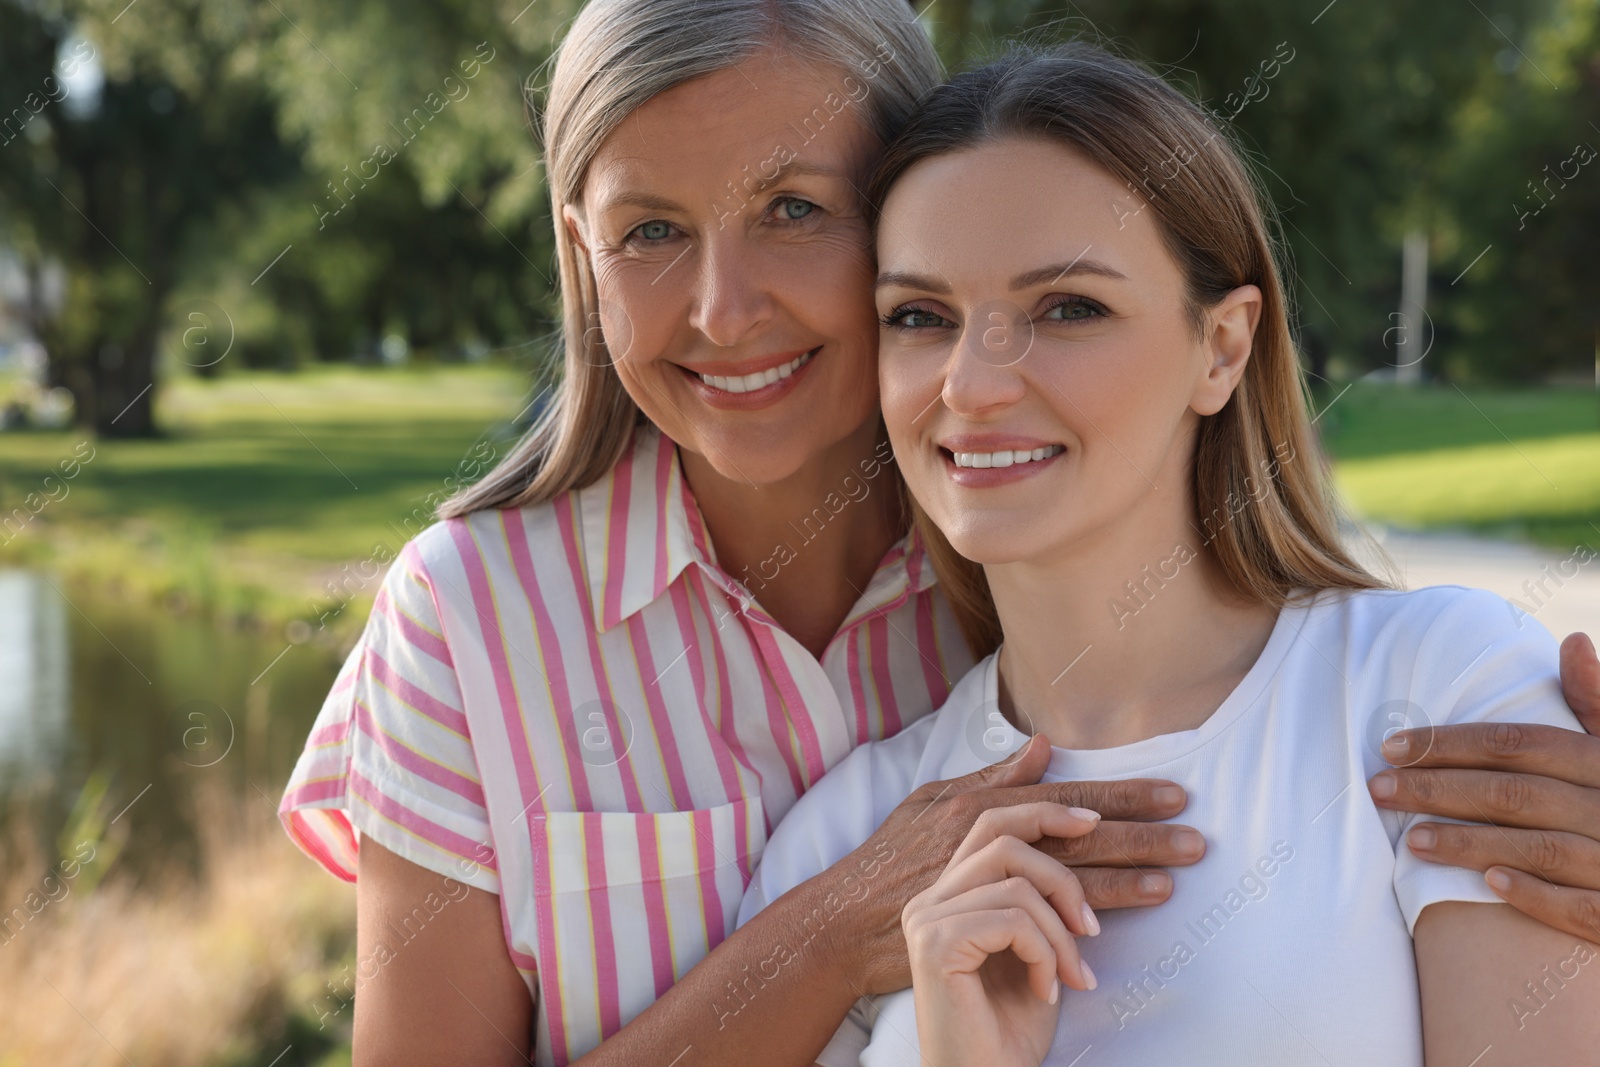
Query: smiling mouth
point(749, 383)
point(1006, 457)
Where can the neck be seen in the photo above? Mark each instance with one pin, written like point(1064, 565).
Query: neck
point(806, 546)
point(1131, 633)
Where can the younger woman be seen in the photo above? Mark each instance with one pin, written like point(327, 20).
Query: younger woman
point(1090, 385)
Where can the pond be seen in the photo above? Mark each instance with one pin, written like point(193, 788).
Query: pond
point(149, 707)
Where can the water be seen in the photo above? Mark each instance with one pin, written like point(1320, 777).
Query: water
point(95, 690)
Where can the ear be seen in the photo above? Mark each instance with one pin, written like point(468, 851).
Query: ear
point(572, 218)
point(1230, 335)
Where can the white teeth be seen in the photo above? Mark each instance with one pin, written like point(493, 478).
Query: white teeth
point(1006, 457)
point(759, 380)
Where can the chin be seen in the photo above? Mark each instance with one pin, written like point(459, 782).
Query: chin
point(989, 541)
point(760, 456)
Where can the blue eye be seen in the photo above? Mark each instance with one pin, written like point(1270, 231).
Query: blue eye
point(793, 209)
point(1074, 309)
point(654, 230)
point(905, 318)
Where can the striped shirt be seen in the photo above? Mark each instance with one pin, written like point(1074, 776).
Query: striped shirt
point(574, 701)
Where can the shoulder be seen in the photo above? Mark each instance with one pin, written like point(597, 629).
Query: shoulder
point(530, 546)
point(1432, 622)
point(1457, 654)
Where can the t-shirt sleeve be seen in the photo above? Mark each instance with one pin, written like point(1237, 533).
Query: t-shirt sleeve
point(1482, 660)
point(390, 755)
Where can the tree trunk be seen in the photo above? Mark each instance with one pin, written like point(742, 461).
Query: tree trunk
point(113, 386)
point(126, 387)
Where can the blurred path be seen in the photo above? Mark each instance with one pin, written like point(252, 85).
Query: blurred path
point(1557, 588)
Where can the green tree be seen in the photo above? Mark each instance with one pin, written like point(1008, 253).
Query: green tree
point(115, 192)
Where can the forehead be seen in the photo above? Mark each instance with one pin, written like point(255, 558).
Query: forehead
point(1023, 202)
point(752, 115)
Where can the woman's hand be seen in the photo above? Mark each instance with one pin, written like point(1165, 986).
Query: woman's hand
point(1538, 788)
point(1119, 864)
point(991, 942)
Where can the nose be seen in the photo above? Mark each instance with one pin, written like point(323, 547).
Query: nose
point(984, 373)
point(731, 300)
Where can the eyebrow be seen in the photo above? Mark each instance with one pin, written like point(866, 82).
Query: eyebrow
point(794, 168)
point(1026, 280)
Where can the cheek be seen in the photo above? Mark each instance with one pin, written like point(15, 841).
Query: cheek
point(1131, 394)
point(638, 318)
point(833, 274)
point(906, 387)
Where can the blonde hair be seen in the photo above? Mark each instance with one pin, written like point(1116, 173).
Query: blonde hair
point(1267, 509)
point(617, 55)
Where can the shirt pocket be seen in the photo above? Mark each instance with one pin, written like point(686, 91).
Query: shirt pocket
point(626, 903)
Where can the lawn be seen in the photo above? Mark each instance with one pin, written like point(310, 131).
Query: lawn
point(265, 484)
point(1519, 464)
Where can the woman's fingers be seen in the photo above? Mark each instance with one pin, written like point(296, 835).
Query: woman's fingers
point(1012, 894)
point(1008, 857)
point(1516, 747)
point(961, 944)
point(1580, 680)
point(1128, 844)
point(958, 935)
point(1026, 822)
point(1577, 911)
point(1107, 888)
point(1560, 858)
point(1134, 799)
point(1529, 801)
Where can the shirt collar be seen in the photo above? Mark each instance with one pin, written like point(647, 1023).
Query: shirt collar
point(641, 527)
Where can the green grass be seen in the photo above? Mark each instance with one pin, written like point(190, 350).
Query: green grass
point(264, 485)
point(1521, 464)
point(267, 484)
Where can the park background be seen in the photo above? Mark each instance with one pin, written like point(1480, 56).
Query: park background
point(270, 289)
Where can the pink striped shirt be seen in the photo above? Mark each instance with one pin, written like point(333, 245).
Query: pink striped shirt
point(575, 702)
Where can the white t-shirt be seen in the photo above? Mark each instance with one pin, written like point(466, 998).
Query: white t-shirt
point(1290, 942)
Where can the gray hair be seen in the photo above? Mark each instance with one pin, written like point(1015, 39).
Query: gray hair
point(617, 55)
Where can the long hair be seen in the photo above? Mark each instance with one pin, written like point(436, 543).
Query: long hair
point(1265, 506)
point(617, 55)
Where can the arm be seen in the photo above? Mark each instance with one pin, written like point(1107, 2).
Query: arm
point(862, 948)
point(449, 994)
point(1500, 989)
point(406, 1015)
point(1537, 786)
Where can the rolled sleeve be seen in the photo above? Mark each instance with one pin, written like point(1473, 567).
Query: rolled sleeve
point(1497, 665)
point(390, 756)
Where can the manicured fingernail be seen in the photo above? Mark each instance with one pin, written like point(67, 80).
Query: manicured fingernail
point(1090, 923)
point(1167, 795)
point(1188, 842)
point(1498, 879)
point(1085, 813)
point(1396, 745)
point(1088, 975)
point(1423, 837)
point(1155, 885)
point(1055, 991)
point(1384, 786)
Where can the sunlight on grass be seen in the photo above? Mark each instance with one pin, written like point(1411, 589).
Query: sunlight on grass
point(1518, 464)
point(265, 483)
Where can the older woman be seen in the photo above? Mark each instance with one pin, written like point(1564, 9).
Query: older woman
point(584, 699)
